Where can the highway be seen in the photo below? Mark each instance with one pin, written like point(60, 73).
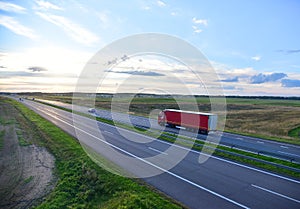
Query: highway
point(216, 183)
point(276, 149)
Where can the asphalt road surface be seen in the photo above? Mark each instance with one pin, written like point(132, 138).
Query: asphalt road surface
point(257, 145)
point(216, 183)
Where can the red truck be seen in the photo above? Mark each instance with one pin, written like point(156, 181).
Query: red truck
point(194, 121)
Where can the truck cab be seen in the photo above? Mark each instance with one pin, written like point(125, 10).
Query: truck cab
point(161, 118)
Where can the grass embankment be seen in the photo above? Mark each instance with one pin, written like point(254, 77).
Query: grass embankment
point(81, 183)
point(199, 147)
point(295, 132)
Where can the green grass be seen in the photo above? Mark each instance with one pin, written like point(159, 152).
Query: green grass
point(83, 184)
point(29, 179)
point(171, 138)
point(23, 142)
point(2, 133)
point(263, 101)
point(21, 139)
point(6, 122)
point(295, 132)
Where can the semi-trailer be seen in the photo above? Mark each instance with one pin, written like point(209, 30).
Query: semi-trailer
point(193, 121)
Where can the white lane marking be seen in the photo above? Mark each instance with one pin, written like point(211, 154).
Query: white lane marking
point(289, 153)
point(156, 150)
point(276, 193)
point(108, 132)
point(260, 142)
point(269, 142)
point(213, 157)
point(155, 166)
point(284, 147)
point(239, 138)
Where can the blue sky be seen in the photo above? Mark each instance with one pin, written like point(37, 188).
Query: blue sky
point(253, 45)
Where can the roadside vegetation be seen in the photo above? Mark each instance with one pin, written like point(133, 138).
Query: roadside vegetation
point(264, 117)
point(26, 174)
point(81, 183)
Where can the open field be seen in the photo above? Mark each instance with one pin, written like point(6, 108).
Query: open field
point(81, 183)
point(276, 119)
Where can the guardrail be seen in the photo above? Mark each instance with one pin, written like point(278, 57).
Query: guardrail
point(241, 155)
point(243, 148)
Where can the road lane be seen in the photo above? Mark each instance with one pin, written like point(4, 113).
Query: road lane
point(230, 183)
point(272, 148)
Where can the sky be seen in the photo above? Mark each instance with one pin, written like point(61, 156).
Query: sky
point(253, 46)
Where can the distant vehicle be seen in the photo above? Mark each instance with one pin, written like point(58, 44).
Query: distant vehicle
point(92, 110)
point(20, 99)
point(192, 121)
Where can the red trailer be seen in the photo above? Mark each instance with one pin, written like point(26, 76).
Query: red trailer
point(196, 121)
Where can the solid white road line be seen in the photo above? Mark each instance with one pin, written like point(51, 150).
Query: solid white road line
point(153, 165)
point(217, 158)
point(156, 150)
point(276, 193)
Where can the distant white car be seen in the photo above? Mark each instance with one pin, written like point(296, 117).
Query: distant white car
point(92, 110)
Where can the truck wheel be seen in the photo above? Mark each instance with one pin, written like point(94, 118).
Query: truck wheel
point(204, 132)
point(171, 125)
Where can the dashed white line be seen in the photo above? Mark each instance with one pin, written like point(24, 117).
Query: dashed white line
point(156, 150)
point(284, 147)
point(154, 165)
point(276, 193)
point(108, 132)
point(260, 142)
point(217, 158)
point(289, 153)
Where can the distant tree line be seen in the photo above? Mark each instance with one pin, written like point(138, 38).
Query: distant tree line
point(147, 95)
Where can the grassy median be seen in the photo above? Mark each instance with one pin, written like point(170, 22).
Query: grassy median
point(81, 183)
point(199, 147)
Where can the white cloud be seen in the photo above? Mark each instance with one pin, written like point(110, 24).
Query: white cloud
point(9, 7)
point(200, 21)
point(63, 67)
point(256, 58)
point(174, 13)
point(103, 17)
point(75, 31)
point(196, 29)
point(146, 8)
point(55, 59)
point(45, 5)
point(13, 25)
point(161, 3)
